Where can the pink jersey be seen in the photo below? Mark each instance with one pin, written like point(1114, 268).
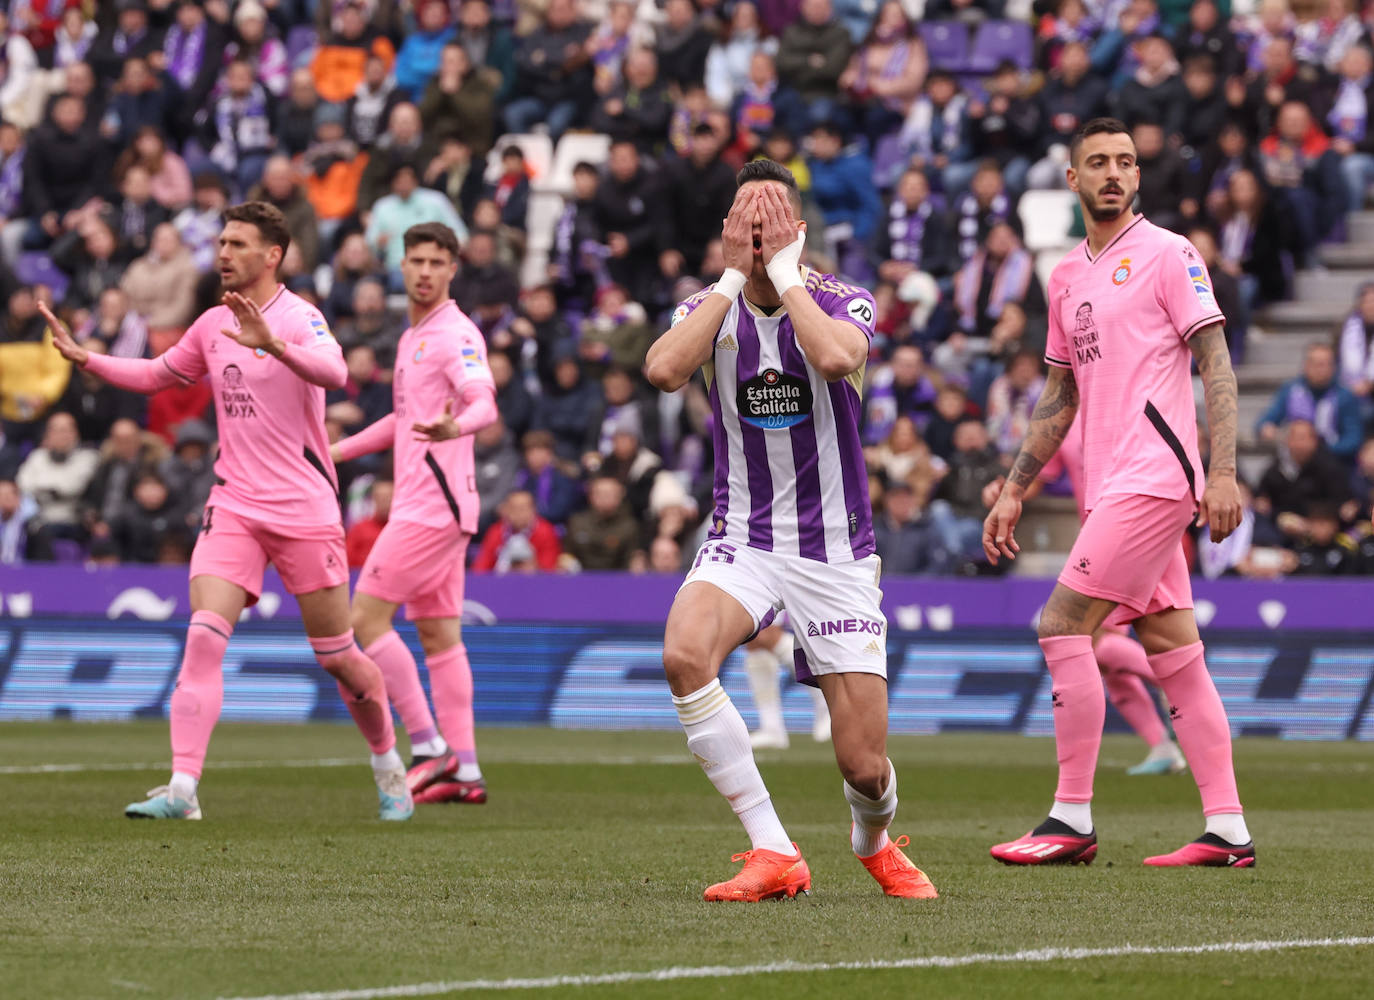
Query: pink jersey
point(273, 451)
point(1122, 321)
point(436, 480)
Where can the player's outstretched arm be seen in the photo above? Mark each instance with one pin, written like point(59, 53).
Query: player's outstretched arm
point(1221, 505)
point(376, 436)
point(323, 366)
point(686, 345)
point(834, 347)
point(477, 409)
point(1050, 422)
point(133, 374)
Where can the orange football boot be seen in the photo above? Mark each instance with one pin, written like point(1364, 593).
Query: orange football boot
point(896, 874)
point(765, 875)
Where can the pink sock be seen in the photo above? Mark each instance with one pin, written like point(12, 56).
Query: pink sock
point(403, 685)
point(1200, 725)
point(1123, 664)
point(199, 692)
point(450, 678)
point(361, 687)
point(1079, 711)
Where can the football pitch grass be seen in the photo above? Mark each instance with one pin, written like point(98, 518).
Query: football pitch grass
point(590, 858)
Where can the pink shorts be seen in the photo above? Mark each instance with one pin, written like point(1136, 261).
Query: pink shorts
point(238, 549)
point(418, 566)
point(1130, 551)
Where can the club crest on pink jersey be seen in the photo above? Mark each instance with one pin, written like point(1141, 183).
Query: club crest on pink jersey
point(1122, 274)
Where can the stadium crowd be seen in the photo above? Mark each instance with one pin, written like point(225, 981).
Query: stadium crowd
point(127, 127)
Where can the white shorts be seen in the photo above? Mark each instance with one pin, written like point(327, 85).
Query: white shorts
point(834, 607)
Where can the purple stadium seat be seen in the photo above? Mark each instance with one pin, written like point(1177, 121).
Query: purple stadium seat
point(38, 269)
point(1000, 41)
point(300, 45)
point(947, 44)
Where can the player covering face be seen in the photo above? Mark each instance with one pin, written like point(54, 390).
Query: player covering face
point(1130, 309)
point(783, 353)
point(269, 357)
point(443, 393)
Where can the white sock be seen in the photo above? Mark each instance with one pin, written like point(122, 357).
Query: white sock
point(782, 650)
point(1230, 827)
point(872, 817)
point(430, 748)
point(183, 786)
point(469, 772)
point(719, 739)
point(762, 670)
point(386, 763)
point(1078, 815)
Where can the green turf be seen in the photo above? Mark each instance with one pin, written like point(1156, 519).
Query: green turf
point(591, 856)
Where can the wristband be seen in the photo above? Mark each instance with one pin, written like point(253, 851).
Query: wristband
point(731, 283)
point(784, 270)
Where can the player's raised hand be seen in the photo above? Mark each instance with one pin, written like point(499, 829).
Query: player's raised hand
point(252, 332)
point(441, 428)
point(62, 338)
point(781, 231)
point(1221, 508)
point(999, 529)
point(737, 234)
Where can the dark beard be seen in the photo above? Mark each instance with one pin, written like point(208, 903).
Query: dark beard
point(1101, 214)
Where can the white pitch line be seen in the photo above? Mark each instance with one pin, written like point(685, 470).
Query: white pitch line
point(606, 761)
point(728, 971)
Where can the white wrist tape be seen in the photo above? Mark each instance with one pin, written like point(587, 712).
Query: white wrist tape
point(784, 270)
point(731, 283)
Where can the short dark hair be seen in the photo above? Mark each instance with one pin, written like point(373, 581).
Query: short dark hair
point(583, 167)
point(266, 218)
point(432, 232)
point(1096, 126)
point(770, 170)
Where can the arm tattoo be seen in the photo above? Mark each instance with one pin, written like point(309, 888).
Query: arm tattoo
point(1050, 421)
point(1219, 388)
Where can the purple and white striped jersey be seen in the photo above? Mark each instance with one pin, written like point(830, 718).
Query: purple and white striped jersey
point(789, 475)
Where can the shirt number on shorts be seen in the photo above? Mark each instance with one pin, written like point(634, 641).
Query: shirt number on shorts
point(718, 553)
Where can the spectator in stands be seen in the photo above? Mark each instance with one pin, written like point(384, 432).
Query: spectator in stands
point(729, 64)
point(1316, 397)
point(1362, 483)
point(513, 400)
point(489, 47)
point(91, 256)
point(94, 403)
point(628, 209)
point(1156, 92)
point(1163, 174)
point(141, 99)
point(636, 467)
point(353, 264)
point(1073, 95)
point(1226, 289)
point(402, 142)
point(985, 204)
point(120, 328)
point(1351, 129)
point(16, 511)
point(1258, 240)
point(200, 222)
point(1001, 271)
point(1282, 80)
point(951, 409)
point(192, 50)
point(1204, 111)
point(241, 127)
point(699, 189)
point(1326, 32)
point(957, 512)
point(622, 406)
point(906, 458)
point(1114, 52)
point(496, 462)
point(665, 554)
point(334, 170)
point(553, 73)
point(604, 536)
point(362, 534)
point(364, 398)
point(616, 333)
point(1304, 473)
point(257, 42)
point(161, 285)
point(73, 38)
point(683, 45)
point(842, 186)
point(886, 73)
point(519, 520)
point(1011, 398)
point(11, 172)
point(368, 110)
point(64, 164)
point(902, 532)
point(482, 278)
point(1301, 168)
point(129, 37)
point(915, 235)
point(510, 192)
point(169, 181)
point(133, 214)
point(637, 108)
point(1357, 346)
point(1208, 36)
point(339, 62)
point(458, 102)
point(139, 530)
point(418, 58)
point(296, 121)
point(813, 52)
point(556, 495)
point(56, 476)
point(407, 205)
point(610, 42)
point(189, 471)
point(898, 389)
point(123, 456)
point(455, 173)
point(1323, 550)
point(1007, 129)
point(280, 187)
point(763, 106)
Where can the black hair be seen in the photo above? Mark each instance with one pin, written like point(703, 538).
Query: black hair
point(770, 170)
point(1097, 126)
point(432, 232)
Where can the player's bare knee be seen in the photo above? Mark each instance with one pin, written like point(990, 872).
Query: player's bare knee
point(688, 667)
point(864, 770)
